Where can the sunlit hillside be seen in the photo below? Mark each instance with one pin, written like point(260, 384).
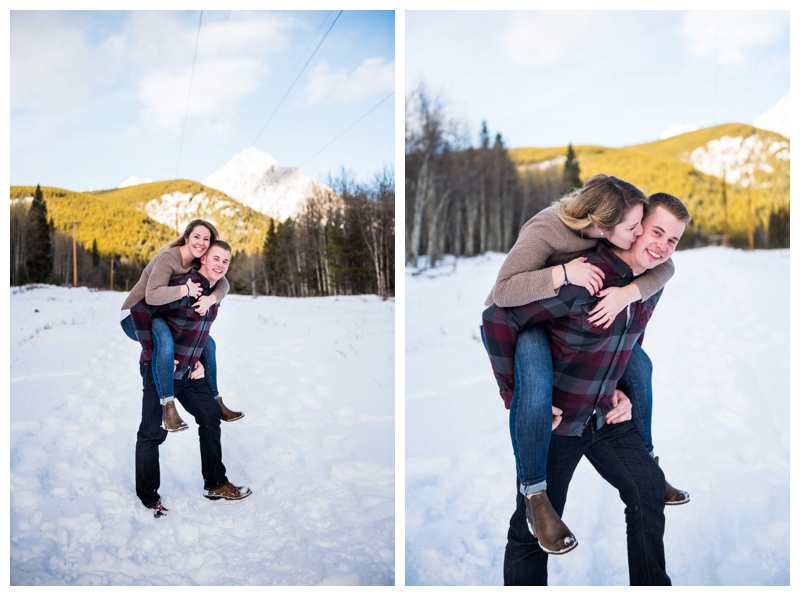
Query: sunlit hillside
point(135, 221)
point(753, 162)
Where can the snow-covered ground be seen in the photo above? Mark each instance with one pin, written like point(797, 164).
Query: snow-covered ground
point(315, 378)
point(719, 341)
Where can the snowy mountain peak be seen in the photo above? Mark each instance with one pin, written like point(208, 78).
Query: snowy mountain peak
point(776, 118)
point(255, 179)
point(133, 181)
point(254, 159)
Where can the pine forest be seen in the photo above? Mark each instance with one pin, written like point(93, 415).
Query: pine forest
point(342, 241)
point(465, 200)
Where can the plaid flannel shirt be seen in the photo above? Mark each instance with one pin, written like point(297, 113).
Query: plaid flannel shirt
point(189, 329)
point(587, 360)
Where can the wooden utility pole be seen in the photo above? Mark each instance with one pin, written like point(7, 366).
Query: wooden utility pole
point(725, 235)
point(74, 255)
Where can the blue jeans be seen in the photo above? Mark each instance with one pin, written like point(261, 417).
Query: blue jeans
point(616, 451)
point(196, 398)
point(637, 384)
point(164, 360)
point(530, 418)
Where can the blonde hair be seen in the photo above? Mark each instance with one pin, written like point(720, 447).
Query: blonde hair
point(602, 201)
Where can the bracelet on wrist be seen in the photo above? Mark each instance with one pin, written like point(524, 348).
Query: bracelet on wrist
point(566, 279)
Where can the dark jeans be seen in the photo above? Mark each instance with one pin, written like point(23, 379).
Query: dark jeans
point(616, 451)
point(196, 398)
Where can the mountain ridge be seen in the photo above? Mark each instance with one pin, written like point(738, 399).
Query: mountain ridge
point(690, 166)
point(136, 221)
point(255, 179)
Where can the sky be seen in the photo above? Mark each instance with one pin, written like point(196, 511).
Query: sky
point(611, 78)
point(100, 96)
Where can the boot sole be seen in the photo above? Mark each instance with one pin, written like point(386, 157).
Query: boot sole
point(678, 502)
point(218, 497)
point(232, 419)
point(175, 430)
point(563, 551)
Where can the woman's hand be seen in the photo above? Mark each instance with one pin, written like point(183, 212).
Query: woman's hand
point(621, 410)
point(556, 417)
point(581, 273)
point(204, 303)
point(194, 289)
point(613, 301)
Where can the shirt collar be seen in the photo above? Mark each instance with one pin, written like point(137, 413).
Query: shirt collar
point(198, 277)
point(607, 255)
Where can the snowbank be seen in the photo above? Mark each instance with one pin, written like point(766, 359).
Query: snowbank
point(315, 378)
point(719, 341)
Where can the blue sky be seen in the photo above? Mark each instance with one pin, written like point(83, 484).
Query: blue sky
point(97, 97)
point(612, 78)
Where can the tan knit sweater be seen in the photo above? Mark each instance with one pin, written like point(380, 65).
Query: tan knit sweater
point(545, 241)
point(154, 286)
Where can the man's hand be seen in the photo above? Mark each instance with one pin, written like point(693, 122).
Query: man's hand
point(612, 303)
point(621, 410)
point(204, 303)
point(556, 417)
point(199, 371)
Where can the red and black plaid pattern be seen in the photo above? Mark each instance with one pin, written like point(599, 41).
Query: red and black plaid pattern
point(587, 360)
point(189, 329)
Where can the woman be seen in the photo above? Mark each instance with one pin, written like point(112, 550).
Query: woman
point(153, 286)
point(605, 208)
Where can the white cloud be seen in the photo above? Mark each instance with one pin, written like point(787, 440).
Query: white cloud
point(63, 57)
point(541, 39)
point(343, 87)
point(162, 41)
point(216, 85)
point(51, 61)
point(673, 130)
point(232, 61)
point(731, 36)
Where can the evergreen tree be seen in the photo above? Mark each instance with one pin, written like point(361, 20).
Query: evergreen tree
point(484, 136)
point(572, 170)
point(95, 254)
point(274, 261)
point(40, 254)
point(778, 234)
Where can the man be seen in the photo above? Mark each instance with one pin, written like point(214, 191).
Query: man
point(190, 331)
point(588, 362)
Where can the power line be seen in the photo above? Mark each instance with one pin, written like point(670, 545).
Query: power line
point(341, 134)
point(305, 50)
point(303, 53)
point(189, 98)
point(285, 95)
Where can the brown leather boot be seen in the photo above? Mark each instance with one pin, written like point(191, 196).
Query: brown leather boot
point(546, 526)
point(228, 415)
point(672, 495)
point(170, 419)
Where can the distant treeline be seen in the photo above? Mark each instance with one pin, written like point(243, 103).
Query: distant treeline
point(341, 243)
point(466, 200)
